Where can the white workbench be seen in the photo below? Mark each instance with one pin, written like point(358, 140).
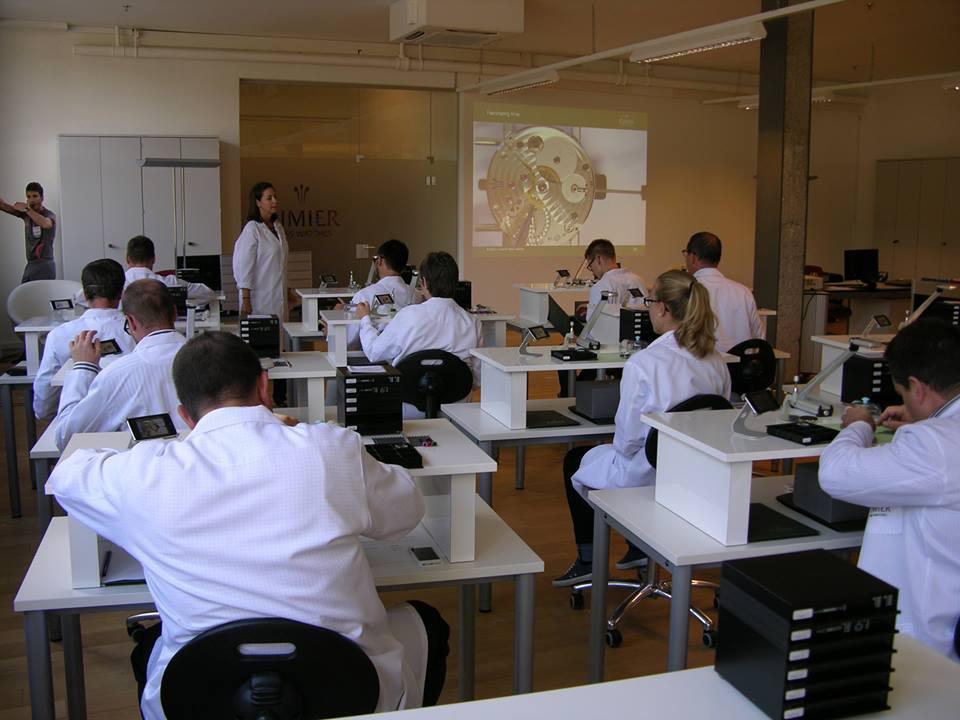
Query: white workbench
point(832, 346)
point(310, 301)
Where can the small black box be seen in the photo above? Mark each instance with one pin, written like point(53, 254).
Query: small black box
point(370, 403)
point(806, 635)
point(179, 295)
point(463, 295)
point(262, 333)
point(810, 498)
point(868, 378)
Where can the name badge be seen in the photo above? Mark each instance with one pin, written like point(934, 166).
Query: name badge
point(37, 230)
point(885, 521)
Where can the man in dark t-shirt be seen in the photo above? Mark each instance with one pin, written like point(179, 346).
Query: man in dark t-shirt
point(40, 228)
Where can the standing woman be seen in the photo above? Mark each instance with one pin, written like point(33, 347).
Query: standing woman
point(679, 364)
point(260, 256)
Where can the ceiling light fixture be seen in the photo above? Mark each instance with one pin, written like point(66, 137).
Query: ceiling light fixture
point(548, 77)
point(701, 39)
point(698, 41)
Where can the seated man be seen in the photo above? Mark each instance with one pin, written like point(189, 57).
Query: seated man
point(141, 256)
point(248, 517)
point(391, 259)
point(102, 286)
point(601, 259)
point(911, 484)
point(438, 323)
point(139, 383)
point(732, 303)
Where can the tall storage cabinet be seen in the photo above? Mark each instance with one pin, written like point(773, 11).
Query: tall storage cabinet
point(112, 189)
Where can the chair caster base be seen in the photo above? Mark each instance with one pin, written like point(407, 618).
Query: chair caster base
point(614, 638)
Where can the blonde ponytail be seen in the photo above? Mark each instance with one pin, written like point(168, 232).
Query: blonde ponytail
point(689, 305)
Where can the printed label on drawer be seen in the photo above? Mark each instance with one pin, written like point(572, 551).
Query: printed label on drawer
point(804, 614)
point(792, 713)
point(798, 674)
point(796, 655)
point(798, 635)
point(795, 694)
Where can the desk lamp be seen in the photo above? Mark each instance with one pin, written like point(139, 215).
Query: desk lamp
point(800, 404)
point(372, 272)
point(938, 291)
point(583, 341)
point(576, 276)
point(535, 332)
point(876, 322)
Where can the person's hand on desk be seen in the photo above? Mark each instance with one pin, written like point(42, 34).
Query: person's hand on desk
point(338, 306)
point(854, 413)
point(895, 416)
point(85, 348)
point(362, 310)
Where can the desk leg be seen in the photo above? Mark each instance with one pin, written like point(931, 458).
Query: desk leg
point(10, 443)
point(31, 426)
point(571, 383)
point(44, 501)
point(468, 650)
point(73, 667)
point(521, 456)
point(598, 597)
point(679, 624)
point(523, 619)
point(39, 670)
point(485, 490)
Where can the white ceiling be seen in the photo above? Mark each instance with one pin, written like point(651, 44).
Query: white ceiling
point(856, 40)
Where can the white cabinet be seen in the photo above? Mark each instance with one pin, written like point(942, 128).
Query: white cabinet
point(110, 192)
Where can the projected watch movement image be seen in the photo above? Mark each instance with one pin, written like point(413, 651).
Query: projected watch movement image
point(548, 178)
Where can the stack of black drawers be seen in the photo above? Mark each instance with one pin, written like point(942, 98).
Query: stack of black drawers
point(370, 402)
point(806, 635)
point(262, 333)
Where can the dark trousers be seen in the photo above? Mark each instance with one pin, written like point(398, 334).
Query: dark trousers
point(438, 648)
point(580, 511)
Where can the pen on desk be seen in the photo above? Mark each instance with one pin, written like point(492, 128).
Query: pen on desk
point(106, 563)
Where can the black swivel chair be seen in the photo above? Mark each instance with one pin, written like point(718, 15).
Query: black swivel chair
point(298, 672)
point(433, 377)
point(653, 587)
point(757, 367)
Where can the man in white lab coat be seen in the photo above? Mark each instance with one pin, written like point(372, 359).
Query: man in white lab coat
point(141, 256)
point(732, 303)
point(601, 257)
point(102, 286)
point(391, 259)
point(248, 517)
point(911, 484)
point(139, 383)
point(438, 323)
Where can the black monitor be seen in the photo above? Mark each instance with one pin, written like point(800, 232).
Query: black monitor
point(863, 265)
point(463, 295)
point(560, 318)
point(201, 268)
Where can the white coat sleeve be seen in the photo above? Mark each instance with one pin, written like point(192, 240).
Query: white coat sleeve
point(79, 407)
point(45, 397)
point(909, 471)
point(382, 347)
point(89, 486)
point(245, 257)
point(756, 324)
point(393, 499)
point(631, 432)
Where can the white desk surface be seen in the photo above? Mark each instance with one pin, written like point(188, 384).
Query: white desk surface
point(41, 323)
point(328, 293)
point(683, 544)
point(483, 427)
point(842, 342)
point(924, 686)
point(709, 431)
point(26, 379)
point(300, 330)
point(766, 312)
point(500, 553)
point(509, 359)
point(551, 288)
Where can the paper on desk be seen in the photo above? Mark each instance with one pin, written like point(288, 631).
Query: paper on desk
point(368, 370)
point(123, 569)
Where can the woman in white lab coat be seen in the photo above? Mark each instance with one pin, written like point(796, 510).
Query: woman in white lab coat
point(681, 363)
point(260, 256)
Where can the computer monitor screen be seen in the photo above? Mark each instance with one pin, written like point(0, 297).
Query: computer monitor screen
point(463, 295)
point(207, 269)
point(560, 318)
point(861, 265)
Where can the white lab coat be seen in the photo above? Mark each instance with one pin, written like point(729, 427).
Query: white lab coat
point(734, 306)
point(654, 380)
point(912, 539)
point(260, 264)
point(619, 281)
point(247, 517)
point(436, 324)
point(108, 323)
point(402, 293)
point(194, 290)
point(139, 383)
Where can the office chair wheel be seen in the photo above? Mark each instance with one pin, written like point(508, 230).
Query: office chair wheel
point(709, 638)
point(576, 601)
point(614, 638)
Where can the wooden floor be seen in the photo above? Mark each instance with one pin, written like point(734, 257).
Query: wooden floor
point(538, 514)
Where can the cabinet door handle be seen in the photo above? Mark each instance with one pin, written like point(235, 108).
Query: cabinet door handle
point(191, 243)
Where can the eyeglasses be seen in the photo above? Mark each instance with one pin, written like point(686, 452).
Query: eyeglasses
point(591, 261)
point(684, 252)
point(126, 325)
point(649, 301)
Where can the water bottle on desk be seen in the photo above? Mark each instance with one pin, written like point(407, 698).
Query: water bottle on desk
point(570, 339)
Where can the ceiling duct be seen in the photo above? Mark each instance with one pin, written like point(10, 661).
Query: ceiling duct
point(454, 23)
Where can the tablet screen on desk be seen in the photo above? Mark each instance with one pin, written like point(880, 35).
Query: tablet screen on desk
point(384, 299)
point(329, 279)
point(109, 347)
point(65, 304)
point(151, 427)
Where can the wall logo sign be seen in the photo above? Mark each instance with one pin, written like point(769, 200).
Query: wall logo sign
point(301, 191)
point(308, 223)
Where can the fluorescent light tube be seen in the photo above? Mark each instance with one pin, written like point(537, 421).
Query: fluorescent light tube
point(548, 77)
point(697, 41)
